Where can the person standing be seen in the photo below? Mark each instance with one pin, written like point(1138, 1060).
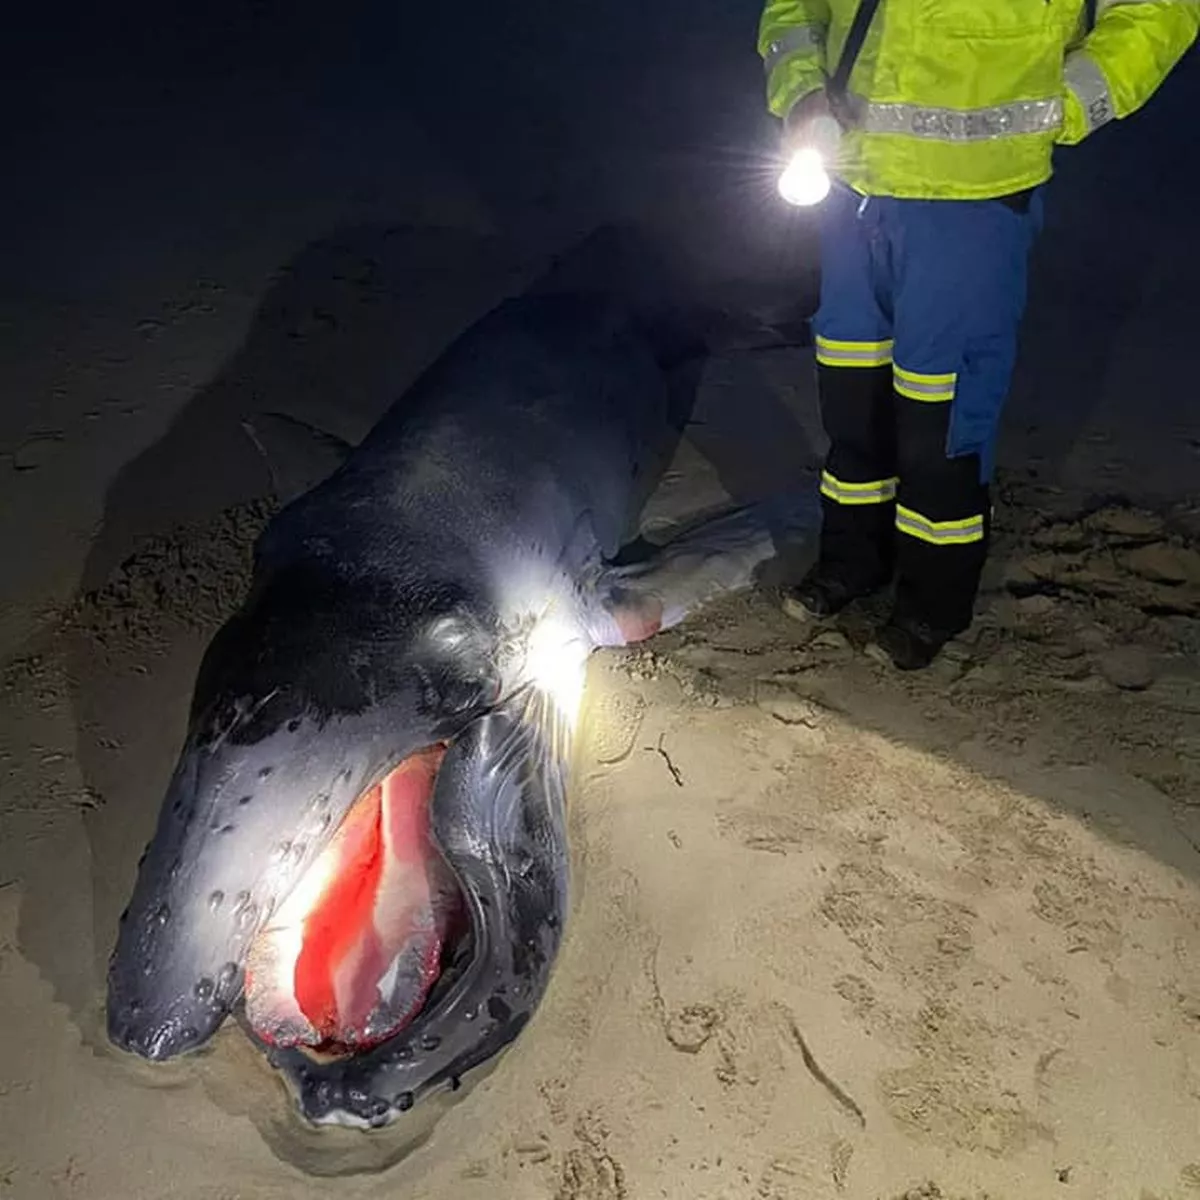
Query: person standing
point(950, 116)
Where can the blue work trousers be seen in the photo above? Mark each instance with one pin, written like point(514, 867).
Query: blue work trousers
point(916, 336)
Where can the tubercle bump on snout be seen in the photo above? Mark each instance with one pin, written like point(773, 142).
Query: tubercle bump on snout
point(159, 1031)
point(374, 1095)
point(158, 1042)
point(155, 1008)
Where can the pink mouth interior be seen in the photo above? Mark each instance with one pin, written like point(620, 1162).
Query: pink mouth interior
point(352, 954)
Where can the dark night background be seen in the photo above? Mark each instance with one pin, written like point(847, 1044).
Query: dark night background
point(156, 150)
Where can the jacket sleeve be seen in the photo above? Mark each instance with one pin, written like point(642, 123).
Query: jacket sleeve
point(1120, 64)
point(791, 43)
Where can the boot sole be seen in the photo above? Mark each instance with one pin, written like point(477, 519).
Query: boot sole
point(794, 609)
point(875, 652)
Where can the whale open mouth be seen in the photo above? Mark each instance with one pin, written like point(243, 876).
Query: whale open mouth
point(351, 956)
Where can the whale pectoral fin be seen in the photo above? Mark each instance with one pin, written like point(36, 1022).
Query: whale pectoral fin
point(298, 456)
point(713, 558)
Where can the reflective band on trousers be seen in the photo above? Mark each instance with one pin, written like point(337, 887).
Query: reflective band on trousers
point(940, 533)
point(932, 389)
point(878, 491)
point(958, 124)
point(1087, 81)
point(802, 37)
point(853, 354)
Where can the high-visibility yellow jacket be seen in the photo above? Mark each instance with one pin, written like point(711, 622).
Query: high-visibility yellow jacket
point(966, 99)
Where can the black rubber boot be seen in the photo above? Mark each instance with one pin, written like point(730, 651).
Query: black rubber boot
point(906, 645)
point(822, 595)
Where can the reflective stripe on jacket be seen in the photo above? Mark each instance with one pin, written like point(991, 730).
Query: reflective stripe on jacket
point(966, 99)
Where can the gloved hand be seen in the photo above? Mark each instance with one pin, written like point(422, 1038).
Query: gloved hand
point(798, 122)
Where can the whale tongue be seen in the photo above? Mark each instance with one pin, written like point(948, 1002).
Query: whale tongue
point(353, 952)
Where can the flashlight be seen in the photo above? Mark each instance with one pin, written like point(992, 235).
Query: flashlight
point(804, 181)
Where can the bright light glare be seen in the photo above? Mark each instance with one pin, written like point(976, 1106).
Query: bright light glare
point(271, 964)
point(804, 180)
point(556, 663)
